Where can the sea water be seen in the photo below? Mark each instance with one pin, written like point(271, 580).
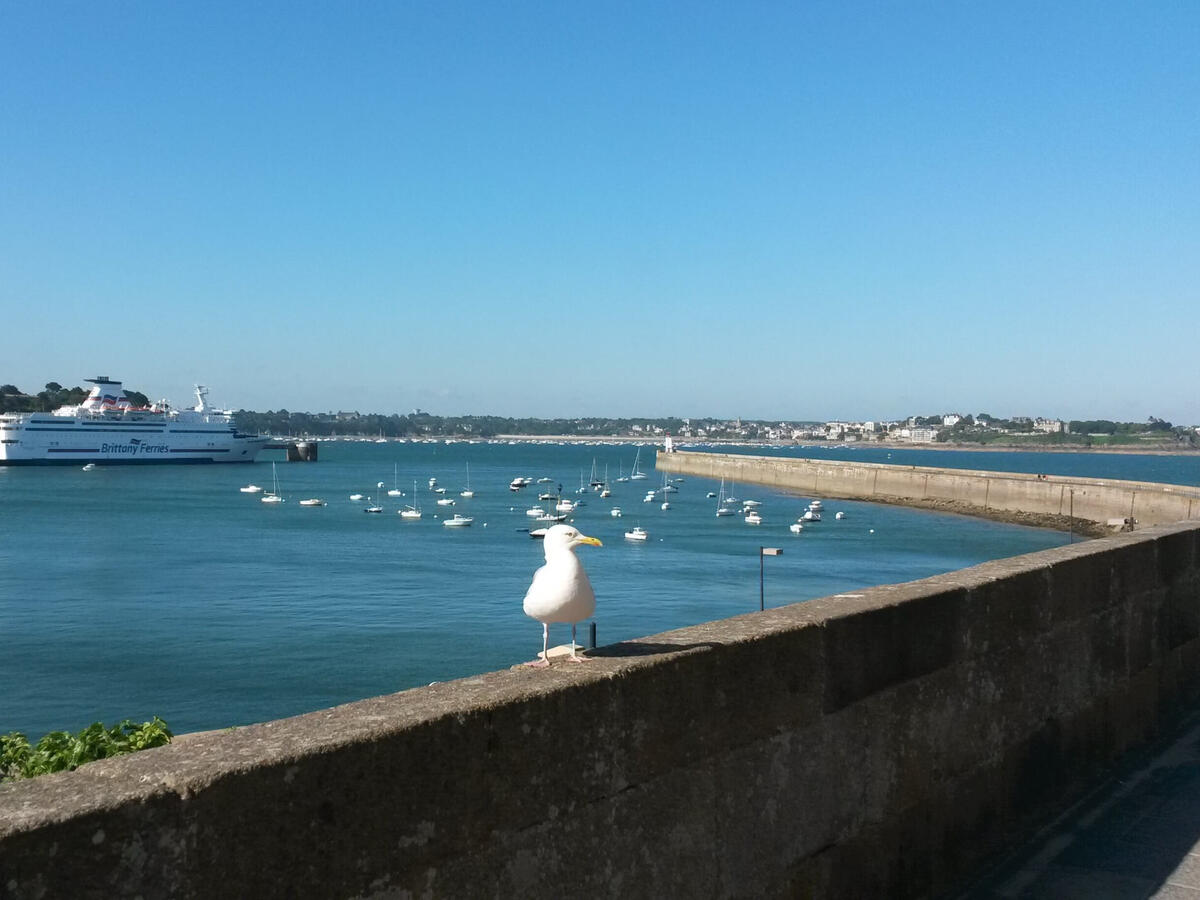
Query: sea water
point(129, 592)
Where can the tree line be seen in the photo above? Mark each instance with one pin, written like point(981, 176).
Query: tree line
point(421, 424)
point(984, 429)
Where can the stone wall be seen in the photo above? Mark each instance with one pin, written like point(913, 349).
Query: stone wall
point(1054, 497)
point(880, 743)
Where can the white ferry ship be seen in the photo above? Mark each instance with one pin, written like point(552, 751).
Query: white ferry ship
point(107, 429)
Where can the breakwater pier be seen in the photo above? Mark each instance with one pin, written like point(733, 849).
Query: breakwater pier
point(885, 742)
point(1085, 505)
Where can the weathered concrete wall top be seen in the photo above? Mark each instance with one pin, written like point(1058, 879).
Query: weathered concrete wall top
point(875, 744)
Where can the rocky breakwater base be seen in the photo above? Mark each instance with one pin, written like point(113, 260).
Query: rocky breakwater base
point(1085, 506)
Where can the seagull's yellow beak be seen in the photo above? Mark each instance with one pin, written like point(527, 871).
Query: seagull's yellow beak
point(584, 539)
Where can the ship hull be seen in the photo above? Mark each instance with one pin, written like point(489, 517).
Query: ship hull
point(50, 441)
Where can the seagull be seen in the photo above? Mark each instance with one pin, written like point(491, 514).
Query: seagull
point(560, 591)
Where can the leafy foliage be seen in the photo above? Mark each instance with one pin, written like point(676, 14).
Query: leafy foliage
point(61, 751)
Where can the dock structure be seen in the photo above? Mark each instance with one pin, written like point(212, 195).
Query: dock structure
point(297, 451)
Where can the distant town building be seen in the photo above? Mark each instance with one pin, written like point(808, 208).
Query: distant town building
point(922, 435)
point(1049, 426)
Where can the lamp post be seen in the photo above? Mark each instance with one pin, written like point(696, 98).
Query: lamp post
point(764, 551)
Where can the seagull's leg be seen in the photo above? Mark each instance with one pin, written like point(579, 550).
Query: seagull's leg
point(575, 658)
point(544, 660)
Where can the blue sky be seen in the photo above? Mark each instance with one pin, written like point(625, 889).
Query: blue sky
point(772, 210)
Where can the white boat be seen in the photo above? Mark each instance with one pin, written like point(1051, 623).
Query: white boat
point(593, 482)
point(89, 466)
point(537, 533)
point(535, 511)
point(374, 508)
point(565, 506)
point(638, 534)
point(457, 521)
point(753, 518)
point(839, 515)
point(751, 504)
point(445, 501)
point(545, 479)
point(621, 476)
point(395, 491)
point(432, 483)
point(412, 512)
point(552, 517)
point(107, 428)
point(248, 489)
point(810, 515)
point(636, 474)
point(467, 492)
point(615, 512)
point(667, 488)
point(795, 528)
point(723, 507)
point(356, 496)
point(312, 501)
point(273, 497)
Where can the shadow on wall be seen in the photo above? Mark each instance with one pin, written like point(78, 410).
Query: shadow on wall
point(635, 649)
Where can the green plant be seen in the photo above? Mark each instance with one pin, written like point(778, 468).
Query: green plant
point(60, 750)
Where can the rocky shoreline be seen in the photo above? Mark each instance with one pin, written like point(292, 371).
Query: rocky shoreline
point(1082, 527)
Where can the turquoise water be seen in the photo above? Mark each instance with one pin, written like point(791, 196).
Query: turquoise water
point(132, 592)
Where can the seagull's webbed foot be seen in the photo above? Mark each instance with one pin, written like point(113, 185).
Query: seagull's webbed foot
point(574, 645)
point(538, 663)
